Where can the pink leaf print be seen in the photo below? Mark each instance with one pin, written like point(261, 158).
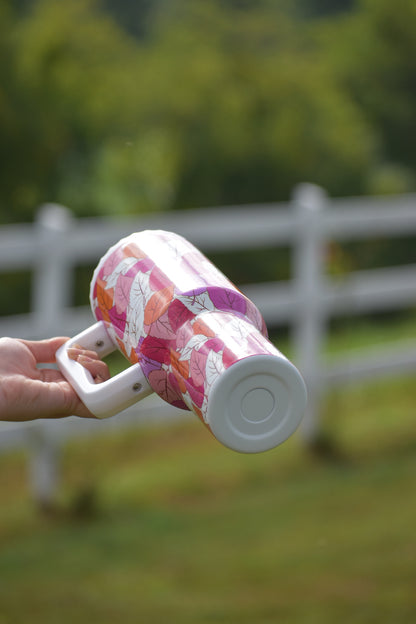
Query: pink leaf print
point(111, 262)
point(254, 316)
point(118, 320)
point(158, 279)
point(197, 367)
point(148, 365)
point(145, 265)
point(227, 299)
point(183, 335)
point(178, 314)
point(97, 310)
point(228, 357)
point(214, 344)
point(156, 349)
point(196, 394)
point(162, 329)
point(122, 292)
point(159, 381)
point(178, 402)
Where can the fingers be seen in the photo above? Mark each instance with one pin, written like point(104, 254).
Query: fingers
point(97, 368)
point(44, 350)
point(90, 360)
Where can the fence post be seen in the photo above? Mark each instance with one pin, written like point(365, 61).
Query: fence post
point(44, 467)
point(309, 323)
point(52, 289)
point(53, 274)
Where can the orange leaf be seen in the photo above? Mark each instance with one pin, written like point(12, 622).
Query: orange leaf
point(157, 305)
point(181, 366)
point(133, 356)
point(105, 298)
point(199, 327)
point(133, 251)
point(180, 380)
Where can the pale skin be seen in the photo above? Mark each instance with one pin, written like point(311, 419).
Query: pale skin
point(29, 393)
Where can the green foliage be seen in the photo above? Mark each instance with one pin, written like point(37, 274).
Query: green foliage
point(67, 81)
point(374, 53)
point(210, 103)
point(147, 106)
point(255, 113)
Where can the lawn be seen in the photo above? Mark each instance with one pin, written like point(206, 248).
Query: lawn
point(162, 524)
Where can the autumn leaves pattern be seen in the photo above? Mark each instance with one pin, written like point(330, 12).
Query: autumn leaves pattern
point(166, 306)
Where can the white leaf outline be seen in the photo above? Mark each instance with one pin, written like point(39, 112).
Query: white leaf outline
point(204, 408)
point(195, 342)
point(140, 293)
point(239, 328)
point(197, 303)
point(214, 368)
point(235, 332)
point(121, 269)
point(177, 247)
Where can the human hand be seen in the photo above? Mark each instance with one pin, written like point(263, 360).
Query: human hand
point(29, 393)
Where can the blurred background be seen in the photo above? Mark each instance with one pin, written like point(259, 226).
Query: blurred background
point(143, 109)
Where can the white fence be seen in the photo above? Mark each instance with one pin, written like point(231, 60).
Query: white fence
point(56, 243)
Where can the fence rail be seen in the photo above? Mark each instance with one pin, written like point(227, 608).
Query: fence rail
point(56, 243)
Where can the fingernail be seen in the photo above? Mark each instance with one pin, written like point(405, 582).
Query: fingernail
point(72, 353)
point(84, 359)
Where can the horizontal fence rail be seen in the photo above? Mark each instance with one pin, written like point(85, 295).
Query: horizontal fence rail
point(57, 243)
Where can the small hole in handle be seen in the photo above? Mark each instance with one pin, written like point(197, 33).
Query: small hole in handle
point(99, 344)
point(137, 387)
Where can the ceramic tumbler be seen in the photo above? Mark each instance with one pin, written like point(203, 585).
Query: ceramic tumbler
point(191, 337)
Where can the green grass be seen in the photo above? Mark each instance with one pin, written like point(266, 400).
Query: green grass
point(162, 524)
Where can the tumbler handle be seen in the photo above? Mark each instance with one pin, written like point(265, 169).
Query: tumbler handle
point(109, 397)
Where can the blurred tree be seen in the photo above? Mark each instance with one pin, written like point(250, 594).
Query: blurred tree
point(374, 53)
point(319, 8)
point(220, 102)
point(253, 110)
point(70, 87)
point(134, 16)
